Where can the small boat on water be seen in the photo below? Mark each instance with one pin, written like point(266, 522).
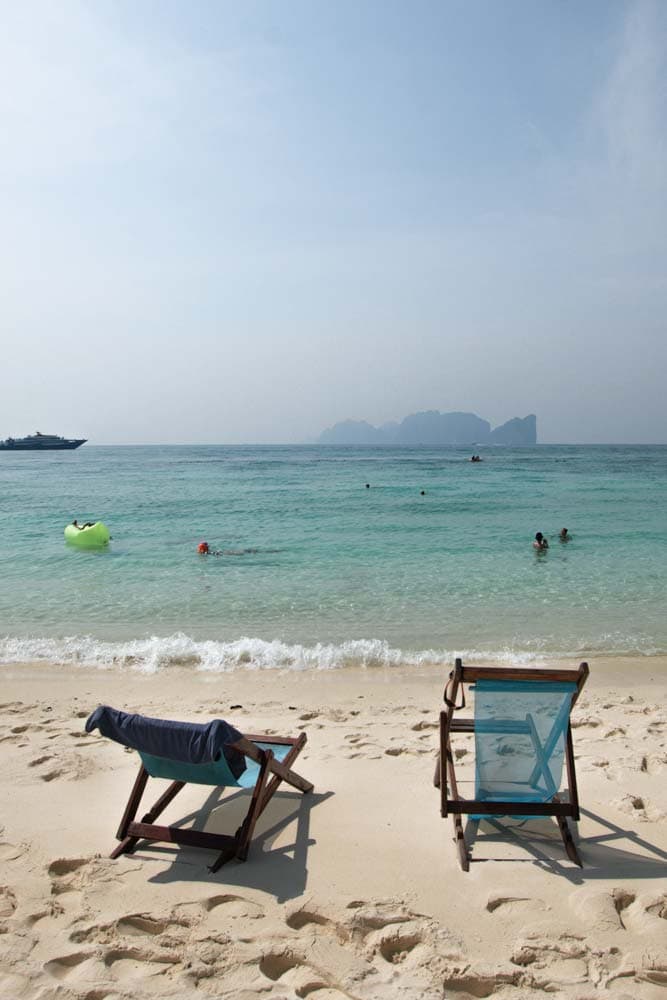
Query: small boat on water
point(41, 442)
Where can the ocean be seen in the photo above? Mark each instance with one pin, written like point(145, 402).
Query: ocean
point(317, 570)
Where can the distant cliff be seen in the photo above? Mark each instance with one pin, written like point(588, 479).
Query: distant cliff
point(518, 430)
point(435, 428)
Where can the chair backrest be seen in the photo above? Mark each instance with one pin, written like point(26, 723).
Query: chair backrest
point(520, 737)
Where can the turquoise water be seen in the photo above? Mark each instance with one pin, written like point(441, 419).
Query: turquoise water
point(318, 570)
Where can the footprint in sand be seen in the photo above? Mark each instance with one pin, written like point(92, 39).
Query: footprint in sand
point(506, 903)
point(17, 707)
point(483, 984)
point(132, 925)
point(65, 965)
point(12, 984)
point(642, 914)
point(327, 993)
point(368, 917)
point(639, 808)
point(396, 945)
point(336, 715)
point(653, 763)
point(602, 910)
point(51, 911)
point(70, 875)
point(65, 866)
point(68, 765)
point(586, 721)
point(11, 852)
point(274, 965)
point(40, 760)
point(288, 968)
point(614, 731)
point(137, 963)
point(595, 762)
point(223, 907)
point(7, 902)
point(138, 924)
point(305, 918)
point(556, 957)
point(659, 907)
point(638, 968)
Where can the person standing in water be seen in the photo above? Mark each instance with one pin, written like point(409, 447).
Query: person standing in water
point(563, 536)
point(540, 543)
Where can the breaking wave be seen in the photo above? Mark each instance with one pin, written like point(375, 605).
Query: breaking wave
point(158, 653)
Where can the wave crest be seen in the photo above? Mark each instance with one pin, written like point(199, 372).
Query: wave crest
point(179, 650)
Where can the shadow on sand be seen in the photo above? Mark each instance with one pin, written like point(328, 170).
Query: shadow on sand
point(631, 857)
point(272, 866)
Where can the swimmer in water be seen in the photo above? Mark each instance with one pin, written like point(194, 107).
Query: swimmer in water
point(540, 543)
point(563, 536)
point(205, 550)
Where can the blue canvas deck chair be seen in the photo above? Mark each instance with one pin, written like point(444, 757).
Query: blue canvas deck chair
point(206, 754)
point(522, 735)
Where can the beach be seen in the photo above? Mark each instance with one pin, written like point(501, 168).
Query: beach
point(343, 326)
point(353, 891)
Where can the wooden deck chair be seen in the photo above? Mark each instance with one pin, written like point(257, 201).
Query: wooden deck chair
point(268, 760)
point(522, 734)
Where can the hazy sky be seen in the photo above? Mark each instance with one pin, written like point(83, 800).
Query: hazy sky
point(240, 222)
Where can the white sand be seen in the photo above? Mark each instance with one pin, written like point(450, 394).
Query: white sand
point(352, 892)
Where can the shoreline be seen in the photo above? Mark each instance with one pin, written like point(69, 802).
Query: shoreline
point(266, 658)
point(621, 669)
point(352, 892)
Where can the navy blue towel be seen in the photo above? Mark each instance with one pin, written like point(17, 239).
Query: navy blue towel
point(187, 742)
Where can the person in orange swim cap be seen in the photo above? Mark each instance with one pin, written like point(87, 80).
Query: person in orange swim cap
point(203, 549)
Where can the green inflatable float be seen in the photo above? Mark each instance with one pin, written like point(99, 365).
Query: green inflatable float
point(92, 536)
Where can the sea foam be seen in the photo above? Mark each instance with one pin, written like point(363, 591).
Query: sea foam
point(179, 650)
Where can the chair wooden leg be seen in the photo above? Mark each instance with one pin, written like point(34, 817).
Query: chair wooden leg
point(243, 836)
point(568, 841)
point(127, 844)
point(436, 775)
point(133, 802)
point(281, 772)
point(222, 858)
point(464, 857)
point(260, 797)
point(163, 802)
